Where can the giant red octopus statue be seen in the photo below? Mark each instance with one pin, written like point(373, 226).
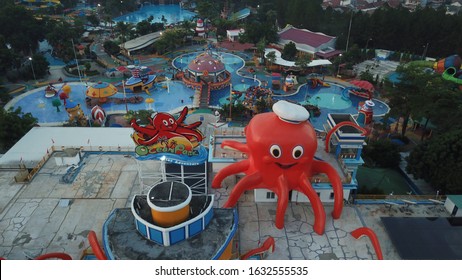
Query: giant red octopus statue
point(280, 148)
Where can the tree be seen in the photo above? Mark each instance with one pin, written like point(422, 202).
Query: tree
point(289, 52)
point(41, 66)
point(93, 19)
point(15, 124)
point(302, 60)
point(56, 103)
point(439, 162)
point(382, 153)
point(271, 57)
point(20, 29)
point(367, 76)
point(415, 94)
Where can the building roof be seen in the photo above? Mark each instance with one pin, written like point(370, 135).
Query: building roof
point(283, 62)
point(206, 62)
point(304, 36)
point(456, 199)
point(42, 140)
point(234, 32)
point(141, 42)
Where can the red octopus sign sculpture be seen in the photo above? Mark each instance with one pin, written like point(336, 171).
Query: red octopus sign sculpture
point(280, 147)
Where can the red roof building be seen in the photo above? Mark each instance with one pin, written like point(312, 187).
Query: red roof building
point(319, 44)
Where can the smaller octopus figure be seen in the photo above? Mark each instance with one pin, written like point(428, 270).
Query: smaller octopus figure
point(165, 126)
point(280, 149)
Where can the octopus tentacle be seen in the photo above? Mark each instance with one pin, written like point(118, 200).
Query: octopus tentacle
point(191, 125)
point(189, 133)
point(282, 187)
point(316, 204)
point(235, 145)
point(151, 132)
point(249, 182)
point(234, 168)
point(324, 167)
point(183, 114)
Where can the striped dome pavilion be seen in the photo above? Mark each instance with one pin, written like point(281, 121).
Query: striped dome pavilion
point(207, 68)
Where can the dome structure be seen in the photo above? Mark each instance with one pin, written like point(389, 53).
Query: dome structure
point(206, 64)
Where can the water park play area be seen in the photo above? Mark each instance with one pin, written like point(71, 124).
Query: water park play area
point(190, 184)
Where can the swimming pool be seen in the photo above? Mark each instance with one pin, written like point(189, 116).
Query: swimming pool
point(166, 99)
point(330, 101)
point(172, 13)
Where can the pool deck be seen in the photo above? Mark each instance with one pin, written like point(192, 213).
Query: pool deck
point(47, 215)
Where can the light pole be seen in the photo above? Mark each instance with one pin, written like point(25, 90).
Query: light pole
point(425, 51)
point(367, 44)
point(32, 66)
point(349, 31)
point(339, 62)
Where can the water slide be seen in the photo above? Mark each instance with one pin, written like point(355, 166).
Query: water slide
point(337, 127)
point(450, 75)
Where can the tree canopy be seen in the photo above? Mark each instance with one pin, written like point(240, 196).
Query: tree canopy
point(439, 161)
point(15, 124)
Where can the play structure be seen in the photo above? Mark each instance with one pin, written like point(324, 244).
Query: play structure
point(76, 115)
point(98, 115)
point(50, 91)
point(450, 69)
point(280, 146)
point(276, 81)
point(362, 89)
point(206, 69)
point(316, 82)
point(141, 79)
point(365, 113)
point(289, 82)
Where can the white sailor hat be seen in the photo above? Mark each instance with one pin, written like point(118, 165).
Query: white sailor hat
point(290, 112)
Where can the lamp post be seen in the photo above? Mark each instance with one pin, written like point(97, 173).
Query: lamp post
point(349, 31)
point(230, 99)
point(367, 44)
point(339, 62)
point(425, 51)
point(32, 66)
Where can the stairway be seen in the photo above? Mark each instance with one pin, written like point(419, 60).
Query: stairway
point(205, 91)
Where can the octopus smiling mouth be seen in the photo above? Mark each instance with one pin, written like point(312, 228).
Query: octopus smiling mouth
point(285, 166)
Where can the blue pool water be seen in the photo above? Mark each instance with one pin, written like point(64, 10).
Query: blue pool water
point(172, 13)
point(330, 101)
point(165, 99)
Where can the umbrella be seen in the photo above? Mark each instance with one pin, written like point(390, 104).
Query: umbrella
point(101, 90)
point(363, 84)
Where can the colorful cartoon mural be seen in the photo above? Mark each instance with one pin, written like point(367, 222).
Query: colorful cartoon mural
point(280, 148)
point(166, 135)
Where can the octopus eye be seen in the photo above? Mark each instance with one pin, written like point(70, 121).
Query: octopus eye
point(297, 152)
point(165, 122)
point(172, 121)
point(275, 151)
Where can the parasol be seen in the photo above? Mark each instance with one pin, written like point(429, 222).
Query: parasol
point(101, 90)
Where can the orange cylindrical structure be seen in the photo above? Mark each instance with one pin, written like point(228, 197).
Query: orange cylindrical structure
point(169, 202)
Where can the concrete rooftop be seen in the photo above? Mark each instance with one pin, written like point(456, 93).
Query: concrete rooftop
point(47, 215)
